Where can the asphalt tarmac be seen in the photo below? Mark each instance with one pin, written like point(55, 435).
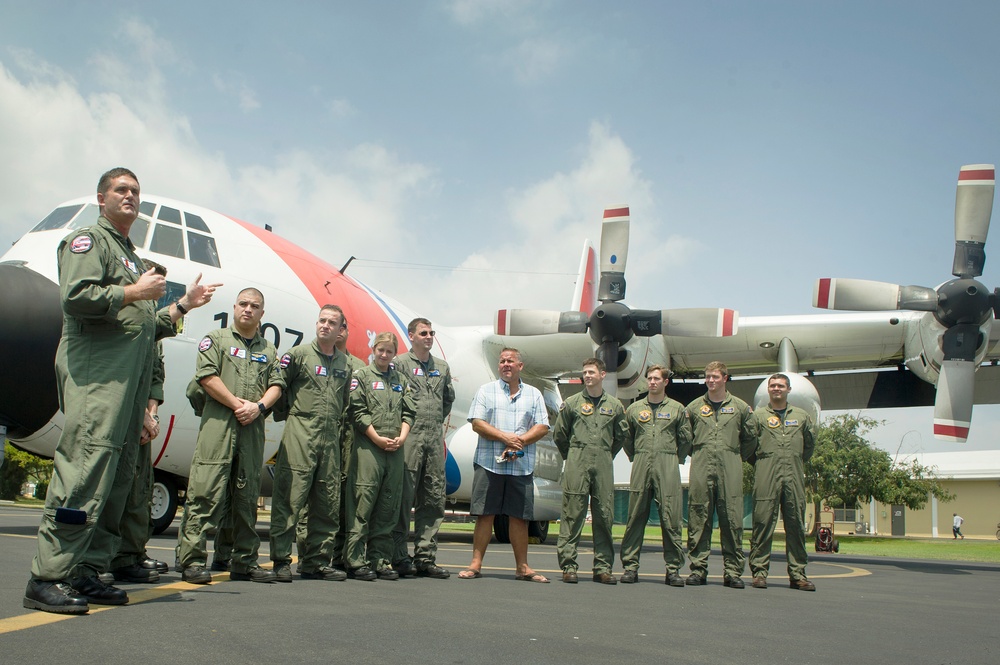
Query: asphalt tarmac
point(866, 610)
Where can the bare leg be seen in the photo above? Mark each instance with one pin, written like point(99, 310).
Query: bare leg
point(518, 530)
point(481, 540)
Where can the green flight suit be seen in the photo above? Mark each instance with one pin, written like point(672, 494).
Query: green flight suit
point(228, 457)
point(317, 388)
point(136, 525)
point(722, 440)
point(104, 367)
point(384, 402)
point(346, 446)
point(659, 440)
point(588, 436)
point(779, 481)
point(423, 479)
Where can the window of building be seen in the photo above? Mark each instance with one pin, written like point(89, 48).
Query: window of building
point(844, 514)
point(167, 240)
point(146, 208)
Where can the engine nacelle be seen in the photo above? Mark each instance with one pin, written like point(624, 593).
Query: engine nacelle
point(802, 395)
point(923, 353)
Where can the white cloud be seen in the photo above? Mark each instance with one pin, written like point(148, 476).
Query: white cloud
point(340, 108)
point(234, 86)
point(477, 12)
point(536, 59)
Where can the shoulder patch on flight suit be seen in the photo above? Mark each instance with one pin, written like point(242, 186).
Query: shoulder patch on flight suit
point(258, 357)
point(663, 415)
point(286, 360)
point(791, 423)
point(354, 385)
point(728, 409)
point(397, 387)
point(81, 244)
point(205, 344)
point(128, 263)
point(418, 371)
point(237, 352)
point(605, 411)
point(320, 370)
point(586, 408)
point(340, 373)
point(645, 416)
point(378, 385)
point(706, 410)
point(434, 372)
point(773, 421)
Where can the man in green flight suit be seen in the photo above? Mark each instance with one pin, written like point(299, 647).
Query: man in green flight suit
point(787, 437)
point(423, 479)
point(589, 432)
point(238, 370)
point(346, 446)
point(104, 367)
point(724, 436)
point(315, 379)
point(659, 440)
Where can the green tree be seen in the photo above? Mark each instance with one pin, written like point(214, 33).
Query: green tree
point(846, 469)
point(19, 467)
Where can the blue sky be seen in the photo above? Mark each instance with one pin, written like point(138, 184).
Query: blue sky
point(760, 145)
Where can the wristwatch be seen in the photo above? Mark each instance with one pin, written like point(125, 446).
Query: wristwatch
point(181, 308)
point(263, 410)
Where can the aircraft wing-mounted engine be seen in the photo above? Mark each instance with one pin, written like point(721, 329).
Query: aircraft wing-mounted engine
point(949, 343)
point(613, 324)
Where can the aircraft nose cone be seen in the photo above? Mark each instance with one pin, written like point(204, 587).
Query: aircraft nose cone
point(30, 327)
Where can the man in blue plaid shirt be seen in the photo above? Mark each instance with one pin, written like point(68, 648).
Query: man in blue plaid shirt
point(509, 416)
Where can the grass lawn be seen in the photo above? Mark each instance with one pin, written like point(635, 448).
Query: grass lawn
point(945, 549)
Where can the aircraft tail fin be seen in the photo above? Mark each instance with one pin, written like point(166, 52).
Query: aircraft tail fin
point(585, 294)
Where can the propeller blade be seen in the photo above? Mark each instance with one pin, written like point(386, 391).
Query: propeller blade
point(973, 207)
point(869, 296)
point(608, 352)
point(614, 254)
point(524, 322)
point(953, 402)
point(700, 322)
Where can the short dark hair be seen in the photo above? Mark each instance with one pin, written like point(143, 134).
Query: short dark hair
point(105, 182)
point(782, 377)
point(412, 328)
point(596, 362)
point(251, 289)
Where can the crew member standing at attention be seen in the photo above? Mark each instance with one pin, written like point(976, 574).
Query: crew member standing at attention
point(589, 432)
point(659, 440)
point(237, 368)
point(316, 383)
point(383, 411)
point(423, 479)
point(724, 436)
point(787, 437)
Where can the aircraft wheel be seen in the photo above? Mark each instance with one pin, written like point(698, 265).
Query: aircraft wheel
point(501, 528)
point(539, 530)
point(164, 502)
point(836, 545)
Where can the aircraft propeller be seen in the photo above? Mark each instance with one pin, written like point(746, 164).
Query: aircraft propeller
point(613, 323)
point(960, 305)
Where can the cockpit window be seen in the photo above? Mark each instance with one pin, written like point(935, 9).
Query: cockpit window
point(168, 214)
point(196, 222)
point(87, 217)
point(167, 240)
point(201, 248)
point(137, 234)
point(57, 218)
point(146, 208)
